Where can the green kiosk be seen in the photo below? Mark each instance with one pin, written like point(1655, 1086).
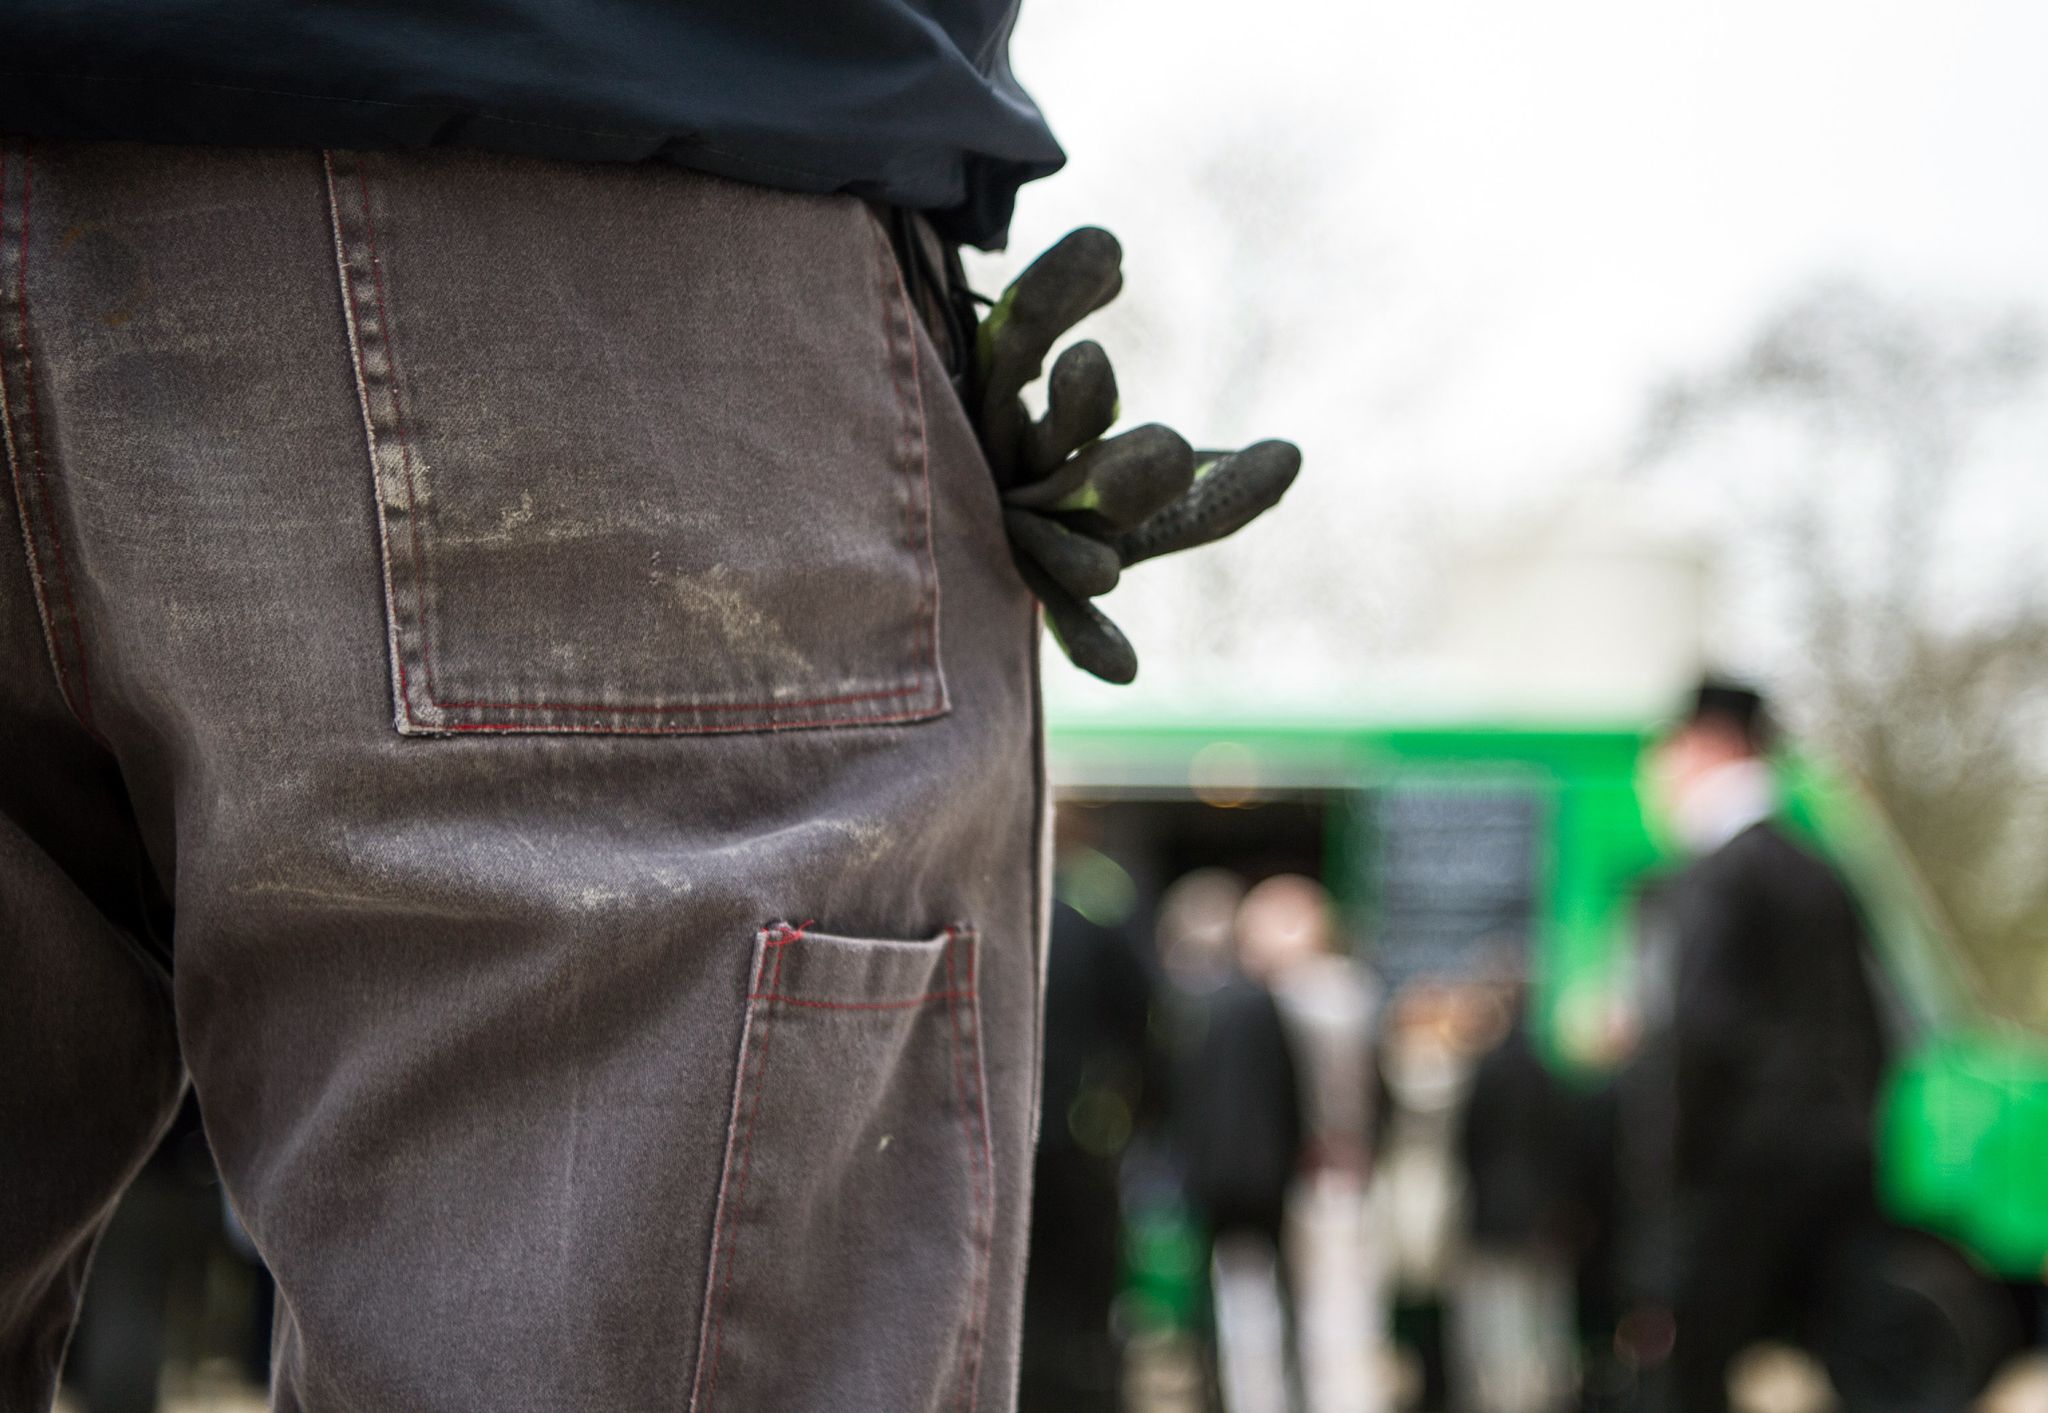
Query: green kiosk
point(1440, 836)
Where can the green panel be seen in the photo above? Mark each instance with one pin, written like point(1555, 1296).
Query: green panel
point(1964, 1147)
point(1603, 850)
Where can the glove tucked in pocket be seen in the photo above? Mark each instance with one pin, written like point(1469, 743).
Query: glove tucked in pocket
point(1081, 507)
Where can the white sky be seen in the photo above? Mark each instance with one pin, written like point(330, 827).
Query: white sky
point(1600, 189)
point(1487, 227)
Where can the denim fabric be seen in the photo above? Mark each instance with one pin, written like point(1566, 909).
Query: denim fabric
point(510, 673)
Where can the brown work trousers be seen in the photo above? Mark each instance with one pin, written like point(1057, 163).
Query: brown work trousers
point(511, 678)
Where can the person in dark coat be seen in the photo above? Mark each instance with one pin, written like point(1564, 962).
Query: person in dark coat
point(1236, 1114)
point(1517, 1144)
point(1098, 1001)
point(1774, 1050)
point(1240, 1121)
point(1521, 1141)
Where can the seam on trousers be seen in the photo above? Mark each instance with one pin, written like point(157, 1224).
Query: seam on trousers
point(967, 1072)
point(358, 368)
point(396, 392)
point(757, 982)
point(379, 335)
point(1041, 871)
point(715, 1308)
point(924, 645)
point(32, 496)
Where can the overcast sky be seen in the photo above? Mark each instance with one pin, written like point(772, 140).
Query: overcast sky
point(1482, 230)
point(1587, 192)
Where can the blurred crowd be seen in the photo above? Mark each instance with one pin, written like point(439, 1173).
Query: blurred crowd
point(1271, 1180)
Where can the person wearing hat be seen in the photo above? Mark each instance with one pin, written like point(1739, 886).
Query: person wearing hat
point(1776, 1047)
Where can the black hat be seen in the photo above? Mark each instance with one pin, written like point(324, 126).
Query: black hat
point(1725, 702)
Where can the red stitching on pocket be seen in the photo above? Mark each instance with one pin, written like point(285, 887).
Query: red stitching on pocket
point(900, 1005)
point(44, 509)
point(739, 1195)
point(781, 934)
point(687, 707)
point(508, 727)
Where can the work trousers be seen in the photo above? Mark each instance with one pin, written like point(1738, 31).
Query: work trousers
point(510, 677)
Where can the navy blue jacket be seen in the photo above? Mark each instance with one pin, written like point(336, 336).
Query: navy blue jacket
point(906, 101)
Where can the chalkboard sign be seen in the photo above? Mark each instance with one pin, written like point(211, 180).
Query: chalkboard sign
point(1452, 875)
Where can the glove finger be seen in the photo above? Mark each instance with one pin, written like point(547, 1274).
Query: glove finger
point(1124, 463)
point(1048, 491)
point(1080, 405)
point(1076, 277)
point(1090, 641)
point(1127, 478)
point(1002, 437)
point(1082, 566)
point(1235, 490)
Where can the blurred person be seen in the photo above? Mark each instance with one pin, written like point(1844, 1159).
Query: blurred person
point(1235, 1112)
point(1195, 928)
point(1287, 935)
point(484, 475)
point(1098, 1004)
point(1520, 1149)
point(1423, 1070)
point(1282, 924)
point(1776, 1049)
point(1286, 928)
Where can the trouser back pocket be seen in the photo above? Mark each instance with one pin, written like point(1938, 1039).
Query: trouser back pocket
point(648, 448)
point(849, 1263)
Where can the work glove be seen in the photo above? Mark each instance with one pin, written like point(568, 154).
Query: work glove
point(1079, 507)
